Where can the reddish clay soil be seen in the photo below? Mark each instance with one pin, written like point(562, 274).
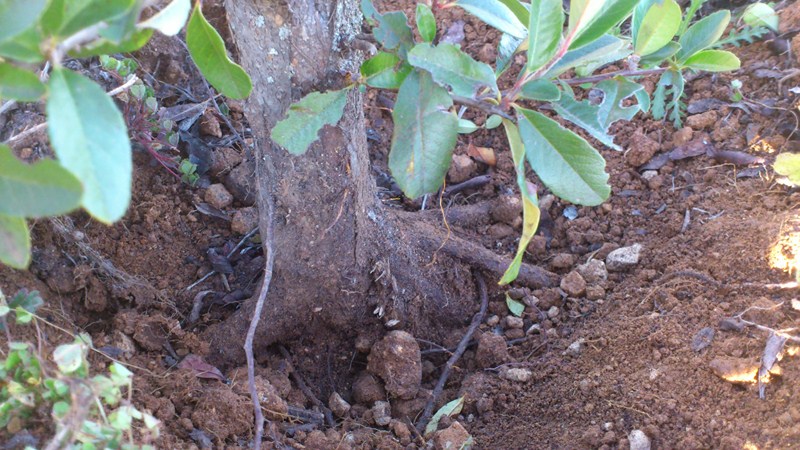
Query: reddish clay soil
point(605, 353)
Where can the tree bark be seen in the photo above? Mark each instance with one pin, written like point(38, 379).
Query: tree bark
point(339, 253)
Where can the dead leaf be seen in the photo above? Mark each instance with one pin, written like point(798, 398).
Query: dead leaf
point(485, 155)
point(734, 157)
point(201, 368)
point(772, 353)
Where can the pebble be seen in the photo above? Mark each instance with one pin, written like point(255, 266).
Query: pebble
point(244, 220)
point(623, 258)
point(595, 293)
point(593, 271)
point(453, 437)
point(338, 405)
point(575, 348)
point(218, 197)
point(562, 261)
point(506, 209)
point(367, 389)
point(703, 120)
point(513, 322)
point(702, 339)
point(382, 413)
point(517, 374)
point(573, 284)
point(492, 320)
point(534, 329)
point(461, 168)
point(492, 351)
point(638, 440)
point(553, 312)
point(241, 183)
point(682, 136)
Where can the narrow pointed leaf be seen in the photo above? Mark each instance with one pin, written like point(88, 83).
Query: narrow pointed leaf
point(611, 13)
point(702, 34)
point(170, 20)
point(598, 50)
point(520, 11)
point(544, 32)
point(506, 49)
point(16, 16)
point(713, 61)
point(90, 139)
point(426, 22)
point(36, 190)
point(658, 27)
point(451, 67)
point(15, 242)
point(564, 161)
point(299, 129)
point(424, 135)
point(24, 47)
point(450, 409)
point(393, 32)
point(530, 204)
point(655, 58)
point(495, 14)
point(19, 84)
point(385, 71)
point(542, 90)
point(208, 52)
point(85, 13)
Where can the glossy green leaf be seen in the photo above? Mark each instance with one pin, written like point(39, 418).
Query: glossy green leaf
point(370, 13)
point(170, 20)
point(495, 14)
point(69, 357)
point(466, 126)
point(788, 165)
point(393, 32)
point(600, 21)
point(24, 47)
point(385, 71)
point(544, 32)
point(493, 122)
point(530, 203)
point(702, 34)
point(594, 52)
point(36, 190)
point(105, 47)
point(453, 68)
point(16, 16)
point(15, 242)
point(514, 306)
point(520, 11)
point(658, 27)
point(506, 49)
point(655, 58)
point(298, 130)
point(639, 12)
point(542, 90)
point(424, 135)
point(122, 28)
point(450, 409)
point(90, 139)
point(19, 84)
point(713, 61)
point(80, 14)
point(564, 161)
point(208, 52)
point(426, 22)
point(761, 15)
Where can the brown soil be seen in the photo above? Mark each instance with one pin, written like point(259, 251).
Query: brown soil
point(617, 355)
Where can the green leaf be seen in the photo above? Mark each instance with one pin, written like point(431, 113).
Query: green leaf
point(30, 301)
point(595, 52)
point(69, 357)
point(544, 32)
point(90, 139)
point(370, 13)
point(530, 203)
point(24, 47)
point(298, 130)
point(596, 18)
point(426, 22)
point(60, 409)
point(596, 119)
point(393, 32)
point(122, 418)
point(713, 61)
point(564, 161)
point(515, 307)
point(53, 16)
point(761, 14)
point(106, 47)
point(496, 14)
point(493, 122)
point(655, 58)
point(520, 11)
point(450, 409)
point(80, 14)
point(15, 242)
point(542, 90)
point(788, 165)
point(16, 16)
point(385, 71)
point(670, 85)
point(37, 190)
point(208, 52)
point(657, 28)
point(702, 34)
point(170, 20)
point(451, 67)
point(466, 126)
point(19, 84)
point(424, 135)
point(506, 49)
point(122, 28)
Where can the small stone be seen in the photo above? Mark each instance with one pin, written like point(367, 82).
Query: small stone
point(484, 405)
point(513, 322)
point(209, 124)
point(551, 333)
point(702, 339)
point(703, 120)
point(218, 197)
point(552, 312)
point(562, 261)
point(641, 149)
point(593, 271)
point(224, 159)
point(241, 182)
point(451, 438)
point(534, 329)
point(338, 405)
point(517, 374)
point(492, 351)
point(382, 413)
point(649, 174)
point(623, 258)
point(461, 168)
point(575, 348)
point(573, 284)
point(402, 431)
point(367, 389)
point(595, 293)
point(514, 333)
point(638, 440)
point(731, 324)
point(244, 220)
point(682, 136)
point(506, 209)
point(606, 249)
point(397, 360)
point(609, 438)
point(795, 304)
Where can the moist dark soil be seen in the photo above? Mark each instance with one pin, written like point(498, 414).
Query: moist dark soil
point(607, 351)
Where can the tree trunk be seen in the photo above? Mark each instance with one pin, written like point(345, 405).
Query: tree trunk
point(339, 254)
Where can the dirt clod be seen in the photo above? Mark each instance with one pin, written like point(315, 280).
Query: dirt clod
point(218, 197)
point(573, 284)
point(367, 389)
point(492, 351)
point(338, 405)
point(451, 438)
point(506, 209)
point(461, 169)
point(397, 360)
point(244, 220)
point(381, 413)
point(593, 271)
point(240, 183)
point(641, 149)
point(703, 121)
point(223, 413)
